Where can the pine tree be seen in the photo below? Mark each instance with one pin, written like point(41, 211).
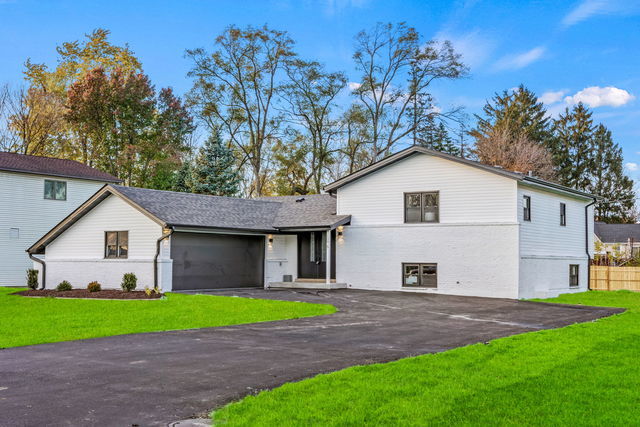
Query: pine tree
point(183, 179)
point(516, 112)
point(571, 147)
point(215, 170)
point(436, 137)
point(608, 180)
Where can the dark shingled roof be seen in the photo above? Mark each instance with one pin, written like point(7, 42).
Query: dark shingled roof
point(617, 233)
point(14, 162)
point(262, 214)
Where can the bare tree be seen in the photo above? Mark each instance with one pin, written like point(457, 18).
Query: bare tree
point(310, 97)
point(397, 70)
point(236, 87)
point(515, 153)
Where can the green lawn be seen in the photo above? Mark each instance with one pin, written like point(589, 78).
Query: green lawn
point(25, 321)
point(584, 374)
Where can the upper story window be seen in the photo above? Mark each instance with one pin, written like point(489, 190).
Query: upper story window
point(421, 207)
point(55, 190)
point(116, 244)
point(563, 214)
point(526, 208)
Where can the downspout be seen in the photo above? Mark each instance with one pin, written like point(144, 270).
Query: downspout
point(155, 258)
point(44, 269)
point(586, 240)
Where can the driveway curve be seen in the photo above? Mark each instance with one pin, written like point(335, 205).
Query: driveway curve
point(157, 378)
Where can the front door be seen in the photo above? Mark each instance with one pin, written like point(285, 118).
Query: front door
point(312, 255)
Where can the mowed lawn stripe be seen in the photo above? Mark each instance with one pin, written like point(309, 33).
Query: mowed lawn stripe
point(26, 321)
point(584, 374)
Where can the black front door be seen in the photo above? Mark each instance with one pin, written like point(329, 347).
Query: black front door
point(312, 255)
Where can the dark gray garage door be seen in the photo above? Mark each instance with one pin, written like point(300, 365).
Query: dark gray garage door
point(211, 261)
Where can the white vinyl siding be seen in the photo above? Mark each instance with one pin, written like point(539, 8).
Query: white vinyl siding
point(25, 213)
point(465, 194)
point(78, 254)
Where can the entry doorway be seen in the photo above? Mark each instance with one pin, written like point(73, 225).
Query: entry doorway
point(312, 255)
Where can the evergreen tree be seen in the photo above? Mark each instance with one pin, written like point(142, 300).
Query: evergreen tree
point(608, 180)
point(183, 179)
point(436, 137)
point(517, 113)
point(571, 147)
point(215, 170)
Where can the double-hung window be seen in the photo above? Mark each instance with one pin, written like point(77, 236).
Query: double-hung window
point(526, 208)
point(422, 207)
point(563, 214)
point(116, 244)
point(55, 190)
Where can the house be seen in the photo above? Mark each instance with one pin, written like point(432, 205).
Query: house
point(623, 239)
point(35, 194)
point(419, 220)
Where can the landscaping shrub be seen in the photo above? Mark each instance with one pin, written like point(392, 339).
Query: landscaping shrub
point(64, 286)
point(32, 278)
point(129, 282)
point(94, 287)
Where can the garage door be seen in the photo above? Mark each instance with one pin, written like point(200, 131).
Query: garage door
point(215, 261)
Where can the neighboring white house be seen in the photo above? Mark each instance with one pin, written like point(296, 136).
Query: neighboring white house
point(35, 194)
point(617, 239)
point(419, 221)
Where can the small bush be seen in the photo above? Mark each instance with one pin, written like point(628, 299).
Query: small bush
point(32, 278)
point(94, 287)
point(64, 286)
point(148, 291)
point(129, 282)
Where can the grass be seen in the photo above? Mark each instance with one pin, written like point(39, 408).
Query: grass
point(26, 321)
point(584, 374)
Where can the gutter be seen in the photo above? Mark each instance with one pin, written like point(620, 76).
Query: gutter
point(44, 269)
point(586, 239)
point(155, 258)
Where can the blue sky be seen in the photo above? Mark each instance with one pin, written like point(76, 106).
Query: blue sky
point(565, 51)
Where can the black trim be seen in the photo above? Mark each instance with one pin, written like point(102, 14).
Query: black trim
point(419, 285)
point(526, 208)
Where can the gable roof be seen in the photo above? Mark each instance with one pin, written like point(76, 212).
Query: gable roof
point(413, 150)
point(187, 210)
point(617, 233)
point(50, 166)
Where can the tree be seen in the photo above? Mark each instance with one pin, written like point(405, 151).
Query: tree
point(436, 137)
point(515, 153)
point(215, 169)
point(183, 179)
point(78, 58)
point(397, 70)
point(608, 180)
point(357, 139)
point(516, 112)
point(571, 147)
point(236, 86)
point(310, 97)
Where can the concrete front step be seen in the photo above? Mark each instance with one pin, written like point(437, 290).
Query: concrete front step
point(307, 285)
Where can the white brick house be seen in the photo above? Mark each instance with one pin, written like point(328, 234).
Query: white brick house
point(419, 221)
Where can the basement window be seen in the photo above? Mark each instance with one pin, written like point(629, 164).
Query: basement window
point(420, 275)
point(574, 273)
point(116, 244)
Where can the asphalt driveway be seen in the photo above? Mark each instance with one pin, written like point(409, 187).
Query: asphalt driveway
point(161, 377)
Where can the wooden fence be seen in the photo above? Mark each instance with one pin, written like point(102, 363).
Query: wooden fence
point(607, 278)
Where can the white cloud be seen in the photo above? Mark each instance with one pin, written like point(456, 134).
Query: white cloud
point(588, 8)
point(474, 46)
point(354, 85)
point(631, 167)
point(332, 7)
point(521, 60)
point(596, 96)
point(551, 97)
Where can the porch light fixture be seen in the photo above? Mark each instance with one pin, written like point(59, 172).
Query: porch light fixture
point(270, 239)
point(339, 231)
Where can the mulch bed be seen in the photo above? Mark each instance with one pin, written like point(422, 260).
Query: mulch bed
point(83, 293)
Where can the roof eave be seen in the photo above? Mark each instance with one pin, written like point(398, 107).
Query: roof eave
point(59, 175)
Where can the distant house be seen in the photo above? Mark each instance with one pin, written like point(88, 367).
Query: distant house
point(35, 194)
point(419, 221)
point(621, 238)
